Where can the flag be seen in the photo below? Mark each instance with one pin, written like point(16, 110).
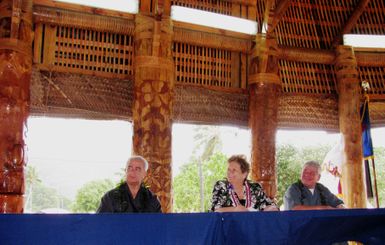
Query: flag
point(367, 145)
point(332, 168)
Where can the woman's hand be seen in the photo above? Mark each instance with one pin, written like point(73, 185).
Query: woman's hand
point(240, 208)
point(271, 208)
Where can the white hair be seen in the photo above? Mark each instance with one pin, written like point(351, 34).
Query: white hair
point(313, 164)
point(138, 158)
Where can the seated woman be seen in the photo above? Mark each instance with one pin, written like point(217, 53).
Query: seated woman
point(237, 193)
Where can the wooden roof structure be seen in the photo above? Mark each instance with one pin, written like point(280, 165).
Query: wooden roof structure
point(96, 47)
point(147, 68)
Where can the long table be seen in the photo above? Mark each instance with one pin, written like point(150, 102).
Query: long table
point(285, 227)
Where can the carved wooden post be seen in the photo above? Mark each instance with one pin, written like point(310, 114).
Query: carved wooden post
point(264, 89)
point(15, 76)
point(154, 88)
point(353, 185)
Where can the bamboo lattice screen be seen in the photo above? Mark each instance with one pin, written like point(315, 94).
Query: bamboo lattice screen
point(86, 51)
point(70, 42)
point(319, 23)
point(202, 65)
point(307, 78)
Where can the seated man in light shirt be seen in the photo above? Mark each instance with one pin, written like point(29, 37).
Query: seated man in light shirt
point(307, 193)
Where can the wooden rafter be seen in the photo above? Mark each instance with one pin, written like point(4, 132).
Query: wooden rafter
point(83, 9)
point(279, 12)
point(267, 16)
point(351, 21)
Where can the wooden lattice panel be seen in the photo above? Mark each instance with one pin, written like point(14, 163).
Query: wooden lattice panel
point(376, 78)
point(372, 20)
point(86, 51)
point(308, 78)
point(313, 25)
point(202, 65)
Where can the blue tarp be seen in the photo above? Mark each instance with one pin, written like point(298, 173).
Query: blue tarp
point(286, 227)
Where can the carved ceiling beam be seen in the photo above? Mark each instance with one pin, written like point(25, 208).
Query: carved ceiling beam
point(319, 56)
point(374, 59)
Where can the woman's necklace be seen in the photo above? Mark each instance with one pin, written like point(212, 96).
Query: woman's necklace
point(245, 191)
point(239, 193)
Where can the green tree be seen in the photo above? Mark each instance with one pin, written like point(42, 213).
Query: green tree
point(207, 141)
point(379, 159)
point(88, 196)
point(47, 197)
point(186, 183)
point(31, 179)
point(39, 196)
point(288, 169)
point(316, 153)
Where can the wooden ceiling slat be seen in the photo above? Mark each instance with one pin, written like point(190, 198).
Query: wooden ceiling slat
point(358, 10)
point(372, 21)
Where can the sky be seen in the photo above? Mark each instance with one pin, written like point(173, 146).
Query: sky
point(130, 6)
point(68, 153)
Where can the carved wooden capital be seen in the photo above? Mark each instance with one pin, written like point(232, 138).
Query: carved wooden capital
point(265, 78)
point(346, 63)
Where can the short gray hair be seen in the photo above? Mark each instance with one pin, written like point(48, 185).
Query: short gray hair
point(138, 158)
point(313, 164)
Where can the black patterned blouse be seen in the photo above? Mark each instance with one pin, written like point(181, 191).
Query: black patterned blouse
point(224, 196)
